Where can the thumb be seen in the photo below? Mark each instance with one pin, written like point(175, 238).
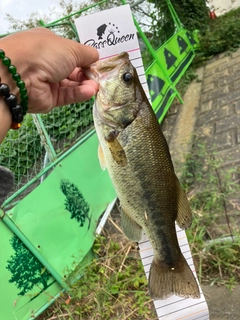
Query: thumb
point(84, 55)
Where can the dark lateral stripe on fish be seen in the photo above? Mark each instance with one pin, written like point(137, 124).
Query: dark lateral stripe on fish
point(166, 251)
point(144, 234)
point(149, 264)
point(150, 255)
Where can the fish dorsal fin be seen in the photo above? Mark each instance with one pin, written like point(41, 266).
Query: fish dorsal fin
point(130, 227)
point(101, 158)
point(184, 215)
point(117, 152)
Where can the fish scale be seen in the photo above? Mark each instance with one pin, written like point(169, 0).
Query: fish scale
point(135, 152)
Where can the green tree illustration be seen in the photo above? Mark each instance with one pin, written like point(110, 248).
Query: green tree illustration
point(75, 202)
point(26, 269)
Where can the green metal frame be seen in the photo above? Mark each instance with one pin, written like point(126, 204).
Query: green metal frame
point(55, 159)
point(37, 119)
point(47, 168)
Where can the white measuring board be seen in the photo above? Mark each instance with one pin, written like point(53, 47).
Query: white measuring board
point(112, 32)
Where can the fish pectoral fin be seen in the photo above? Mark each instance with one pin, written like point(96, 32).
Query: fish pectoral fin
point(117, 152)
point(101, 158)
point(178, 279)
point(130, 227)
point(184, 214)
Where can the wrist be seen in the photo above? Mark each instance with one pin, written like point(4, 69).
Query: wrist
point(5, 119)
point(16, 110)
point(7, 78)
point(19, 83)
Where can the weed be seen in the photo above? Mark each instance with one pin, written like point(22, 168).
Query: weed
point(113, 286)
point(222, 34)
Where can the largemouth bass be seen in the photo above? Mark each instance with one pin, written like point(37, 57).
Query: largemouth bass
point(135, 152)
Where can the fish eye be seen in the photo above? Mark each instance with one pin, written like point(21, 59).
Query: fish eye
point(127, 77)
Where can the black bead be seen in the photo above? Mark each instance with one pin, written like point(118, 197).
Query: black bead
point(17, 118)
point(16, 110)
point(11, 101)
point(4, 90)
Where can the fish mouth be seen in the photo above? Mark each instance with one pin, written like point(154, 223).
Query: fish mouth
point(103, 69)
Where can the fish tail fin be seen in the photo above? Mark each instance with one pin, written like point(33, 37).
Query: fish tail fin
point(165, 281)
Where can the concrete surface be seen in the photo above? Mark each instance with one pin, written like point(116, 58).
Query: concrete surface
point(223, 304)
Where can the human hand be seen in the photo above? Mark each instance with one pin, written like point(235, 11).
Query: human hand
point(50, 66)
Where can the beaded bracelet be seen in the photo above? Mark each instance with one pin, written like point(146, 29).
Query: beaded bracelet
point(17, 110)
point(14, 107)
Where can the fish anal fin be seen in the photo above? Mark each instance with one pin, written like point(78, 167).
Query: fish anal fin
point(101, 158)
point(178, 280)
point(130, 227)
point(184, 215)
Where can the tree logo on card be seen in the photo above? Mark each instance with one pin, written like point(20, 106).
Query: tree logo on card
point(108, 35)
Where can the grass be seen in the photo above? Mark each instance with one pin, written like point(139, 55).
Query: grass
point(113, 286)
point(222, 34)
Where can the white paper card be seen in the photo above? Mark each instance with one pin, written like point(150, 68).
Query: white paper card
point(112, 32)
